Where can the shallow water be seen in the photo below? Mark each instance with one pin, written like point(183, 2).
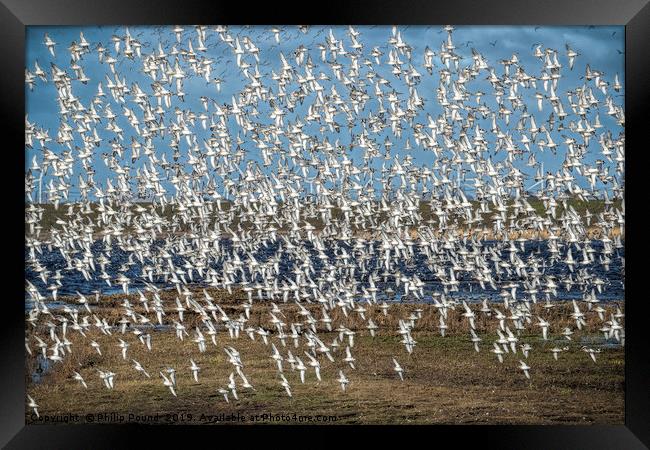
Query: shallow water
point(43, 366)
point(468, 289)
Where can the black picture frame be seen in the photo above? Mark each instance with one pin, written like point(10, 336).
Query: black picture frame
point(15, 15)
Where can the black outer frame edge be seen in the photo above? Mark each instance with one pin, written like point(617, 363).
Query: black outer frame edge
point(423, 12)
point(12, 101)
point(637, 363)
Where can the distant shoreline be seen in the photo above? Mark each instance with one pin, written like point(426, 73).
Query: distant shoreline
point(427, 219)
point(593, 233)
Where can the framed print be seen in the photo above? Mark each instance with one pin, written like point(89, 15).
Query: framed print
point(396, 214)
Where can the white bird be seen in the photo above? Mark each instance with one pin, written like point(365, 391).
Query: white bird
point(313, 362)
point(139, 368)
point(557, 350)
point(498, 351)
point(167, 382)
point(592, 352)
point(300, 366)
point(232, 386)
point(398, 369)
point(277, 357)
point(95, 345)
point(348, 357)
point(544, 325)
point(32, 404)
point(49, 43)
point(343, 380)
point(80, 379)
point(107, 378)
point(469, 315)
point(475, 339)
point(224, 392)
point(195, 370)
point(124, 346)
point(285, 385)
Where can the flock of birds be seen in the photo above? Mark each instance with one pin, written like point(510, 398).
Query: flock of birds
point(258, 192)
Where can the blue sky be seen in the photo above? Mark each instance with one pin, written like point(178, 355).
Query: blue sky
point(600, 47)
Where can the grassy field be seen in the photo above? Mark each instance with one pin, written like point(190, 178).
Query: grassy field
point(446, 381)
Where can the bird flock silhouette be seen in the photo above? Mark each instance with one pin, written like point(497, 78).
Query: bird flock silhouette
point(296, 182)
